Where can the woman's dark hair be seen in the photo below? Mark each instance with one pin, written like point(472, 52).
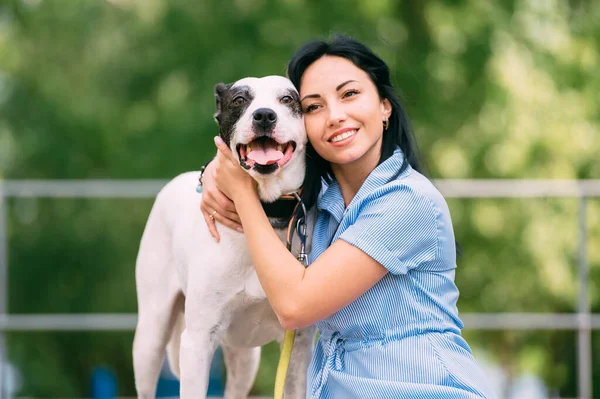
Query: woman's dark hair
point(398, 133)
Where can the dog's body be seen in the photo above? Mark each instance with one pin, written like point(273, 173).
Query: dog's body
point(194, 293)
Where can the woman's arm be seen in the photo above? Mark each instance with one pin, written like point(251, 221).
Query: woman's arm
point(302, 296)
point(214, 200)
point(299, 296)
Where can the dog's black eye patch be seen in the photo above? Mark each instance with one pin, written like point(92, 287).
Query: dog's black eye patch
point(234, 103)
point(294, 104)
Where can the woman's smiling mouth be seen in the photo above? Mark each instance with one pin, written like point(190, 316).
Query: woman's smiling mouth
point(343, 136)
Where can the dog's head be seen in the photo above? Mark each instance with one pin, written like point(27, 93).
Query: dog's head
point(261, 120)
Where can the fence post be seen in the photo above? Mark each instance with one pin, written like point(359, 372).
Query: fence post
point(3, 287)
point(584, 335)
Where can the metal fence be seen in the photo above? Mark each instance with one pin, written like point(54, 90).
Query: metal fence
point(583, 321)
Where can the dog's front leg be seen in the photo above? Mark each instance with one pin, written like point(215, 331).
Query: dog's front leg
point(196, 353)
point(206, 322)
point(295, 382)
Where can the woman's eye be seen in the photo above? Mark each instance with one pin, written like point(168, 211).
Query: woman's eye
point(286, 99)
point(310, 108)
point(239, 100)
point(350, 93)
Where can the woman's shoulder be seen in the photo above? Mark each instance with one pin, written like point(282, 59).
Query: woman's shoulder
point(413, 183)
point(410, 189)
point(394, 177)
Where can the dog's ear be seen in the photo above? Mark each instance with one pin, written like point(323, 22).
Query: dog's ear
point(220, 90)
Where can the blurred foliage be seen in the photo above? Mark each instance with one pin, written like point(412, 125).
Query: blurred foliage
point(124, 89)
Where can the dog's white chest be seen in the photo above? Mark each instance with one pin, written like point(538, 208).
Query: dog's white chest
point(253, 291)
point(254, 325)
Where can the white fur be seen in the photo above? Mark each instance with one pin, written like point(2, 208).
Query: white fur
point(195, 294)
point(268, 91)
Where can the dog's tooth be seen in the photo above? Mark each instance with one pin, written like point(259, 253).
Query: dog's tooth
point(279, 147)
point(248, 148)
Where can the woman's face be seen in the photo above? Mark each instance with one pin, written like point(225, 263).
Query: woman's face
point(343, 112)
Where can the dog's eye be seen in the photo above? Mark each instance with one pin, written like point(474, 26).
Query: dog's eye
point(239, 100)
point(286, 99)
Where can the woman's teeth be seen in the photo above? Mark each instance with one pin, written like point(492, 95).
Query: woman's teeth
point(343, 136)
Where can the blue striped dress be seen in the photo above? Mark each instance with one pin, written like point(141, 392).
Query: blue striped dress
point(400, 339)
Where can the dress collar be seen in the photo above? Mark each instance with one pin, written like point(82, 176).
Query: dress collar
point(332, 200)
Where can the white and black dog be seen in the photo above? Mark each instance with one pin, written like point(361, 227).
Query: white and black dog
point(195, 294)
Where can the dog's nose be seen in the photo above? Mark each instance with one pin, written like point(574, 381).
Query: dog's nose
point(264, 117)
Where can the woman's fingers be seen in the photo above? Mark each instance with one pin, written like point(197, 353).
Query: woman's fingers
point(211, 217)
point(223, 149)
point(214, 200)
point(222, 210)
point(227, 222)
point(225, 158)
point(217, 201)
point(212, 226)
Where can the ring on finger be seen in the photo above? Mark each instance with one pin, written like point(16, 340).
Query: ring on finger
point(212, 215)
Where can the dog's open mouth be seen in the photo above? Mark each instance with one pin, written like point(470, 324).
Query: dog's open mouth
point(265, 155)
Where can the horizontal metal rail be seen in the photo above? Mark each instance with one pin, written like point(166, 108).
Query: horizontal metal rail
point(454, 188)
point(81, 188)
point(127, 321)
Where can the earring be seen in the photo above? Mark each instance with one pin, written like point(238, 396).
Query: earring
point(385, 124)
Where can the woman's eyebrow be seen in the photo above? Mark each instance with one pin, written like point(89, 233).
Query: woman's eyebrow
point(310, 96)
point(336, 89)
point(344, 84)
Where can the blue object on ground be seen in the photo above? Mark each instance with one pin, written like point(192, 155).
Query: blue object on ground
point(104, 384)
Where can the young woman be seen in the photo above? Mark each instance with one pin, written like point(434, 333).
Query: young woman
point(380, 285)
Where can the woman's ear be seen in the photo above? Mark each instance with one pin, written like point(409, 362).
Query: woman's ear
point(386, 108)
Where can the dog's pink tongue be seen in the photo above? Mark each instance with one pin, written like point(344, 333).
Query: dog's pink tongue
point(264, 153)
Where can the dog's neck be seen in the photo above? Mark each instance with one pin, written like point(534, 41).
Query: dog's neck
point(270, 188)
point(281, 211)
point(273, 191)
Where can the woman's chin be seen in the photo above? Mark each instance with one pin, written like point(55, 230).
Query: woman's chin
point(354, 155)
point(345, 158)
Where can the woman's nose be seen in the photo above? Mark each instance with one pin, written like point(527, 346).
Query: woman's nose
point(337, 114)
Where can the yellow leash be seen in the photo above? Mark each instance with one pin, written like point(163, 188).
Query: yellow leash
point(290, 335)
point(284, 362)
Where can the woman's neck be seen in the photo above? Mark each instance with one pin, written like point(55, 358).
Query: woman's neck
point(351, 176)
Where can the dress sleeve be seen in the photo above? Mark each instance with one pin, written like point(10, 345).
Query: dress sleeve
point(398, 229)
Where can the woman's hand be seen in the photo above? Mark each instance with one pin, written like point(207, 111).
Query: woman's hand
point(216, 204)
point(230, 178)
